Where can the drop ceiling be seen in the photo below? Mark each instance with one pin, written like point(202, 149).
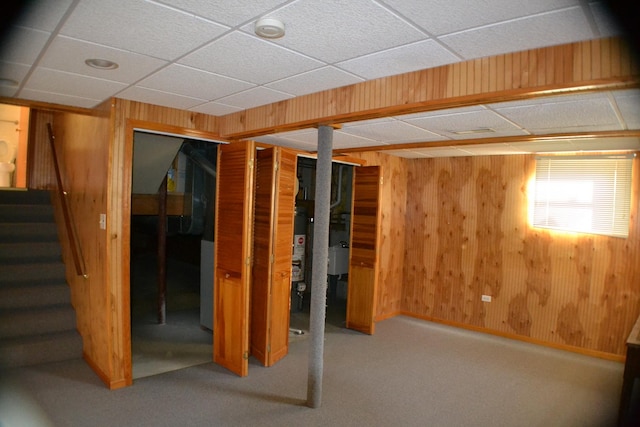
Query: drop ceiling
point(203, 56)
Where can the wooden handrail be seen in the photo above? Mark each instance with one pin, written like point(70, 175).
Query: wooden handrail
point(72, 233)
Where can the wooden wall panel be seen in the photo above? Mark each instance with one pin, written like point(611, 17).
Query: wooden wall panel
point(393, 202)
point(467, 234)
point(82, 147)
point(588, 65)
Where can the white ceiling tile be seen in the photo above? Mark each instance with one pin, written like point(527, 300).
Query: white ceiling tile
point(254, 97)
point(586, 97)
point(8, 91)
point(47, 80)
point(392, 132)
point(23, 45)
point(407, 154)
point(448, 124)
point(336, 32)
point(215, 109)
point(442, 152)
point(42, 15)
point(545, 146)
point(223, 11)
point(60, 98)
point(194, 83)
point(565, 26)
point(142, 27)
point(447, 16)
point(629, 105)
point(254, 60)
point(399, 60)
point(607, 144)
point(156, 97)
point(445, 112)
point(493, 149)
point(66, 54)
point(15, 72)
point(342, 140)
point(597, 114)
point(284, 142)
point(606, 23)
point(314, 81)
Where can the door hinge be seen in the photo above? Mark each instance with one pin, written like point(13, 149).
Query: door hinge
point(245, 355)
point(381, 180)
point(269, 348)
point(250, 164)
point(276, 166)
point(272, 258)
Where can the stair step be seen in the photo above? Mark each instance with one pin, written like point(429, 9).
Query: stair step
point(21, 297)
point(28, 321)
point(28, 232)
point(38, 349)
point(29, 252)
point(26, 213)
point(44, 273)
point(21, 197)
point(37, 319)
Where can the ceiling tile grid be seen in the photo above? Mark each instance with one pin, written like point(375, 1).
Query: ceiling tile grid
point(203, 56)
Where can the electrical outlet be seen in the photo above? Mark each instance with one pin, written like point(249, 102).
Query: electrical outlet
point(103, 221)
point(486, 298)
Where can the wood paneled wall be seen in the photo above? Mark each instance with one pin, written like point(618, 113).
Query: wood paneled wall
point(82, 147)
point(467, 234)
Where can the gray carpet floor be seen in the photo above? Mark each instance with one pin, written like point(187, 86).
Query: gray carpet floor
point(410, 373)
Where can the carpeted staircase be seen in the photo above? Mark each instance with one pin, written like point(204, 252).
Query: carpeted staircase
point(37, 320)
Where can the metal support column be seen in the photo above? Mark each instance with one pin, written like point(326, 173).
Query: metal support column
point(320, 257)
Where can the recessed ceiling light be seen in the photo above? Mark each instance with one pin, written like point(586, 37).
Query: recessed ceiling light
point(8, 82)
point(101, 64)
point(269, 28)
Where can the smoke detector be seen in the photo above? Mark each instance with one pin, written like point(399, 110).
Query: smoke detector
point(269, 28)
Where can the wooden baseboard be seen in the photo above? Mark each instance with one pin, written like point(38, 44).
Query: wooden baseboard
point(573, 349)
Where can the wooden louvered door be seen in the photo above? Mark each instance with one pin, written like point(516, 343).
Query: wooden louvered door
point(364, 257)
point(234, 216)
point(273, 237)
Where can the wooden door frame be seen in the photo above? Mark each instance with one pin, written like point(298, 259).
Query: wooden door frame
point(131, 126)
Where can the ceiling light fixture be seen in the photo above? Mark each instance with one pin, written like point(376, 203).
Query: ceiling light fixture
point(269, 28)
point(472, 131)
point(8, 82)
point(101, 64)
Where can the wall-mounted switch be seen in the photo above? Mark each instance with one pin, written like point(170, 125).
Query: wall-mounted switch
point(103, 221)
point(486, 298)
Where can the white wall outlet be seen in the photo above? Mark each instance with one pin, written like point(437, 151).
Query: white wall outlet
point(103, 221)
point(486, 298)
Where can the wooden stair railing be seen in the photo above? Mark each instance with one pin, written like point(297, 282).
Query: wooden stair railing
point(72, 234)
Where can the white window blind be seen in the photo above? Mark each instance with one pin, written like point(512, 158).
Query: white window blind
point(588, 194)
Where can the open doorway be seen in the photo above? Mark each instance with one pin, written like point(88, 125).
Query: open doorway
point(14, 135)
point(171, 327)
point(339, 241)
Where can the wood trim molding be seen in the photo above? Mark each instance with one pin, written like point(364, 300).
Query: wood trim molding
point(520, 139)
point(573, 349)
point(593, 65)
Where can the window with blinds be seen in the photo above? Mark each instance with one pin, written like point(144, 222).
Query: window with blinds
point(587, 194)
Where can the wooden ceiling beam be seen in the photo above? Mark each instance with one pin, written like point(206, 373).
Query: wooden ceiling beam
point(601, 64)
point(519, 139)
